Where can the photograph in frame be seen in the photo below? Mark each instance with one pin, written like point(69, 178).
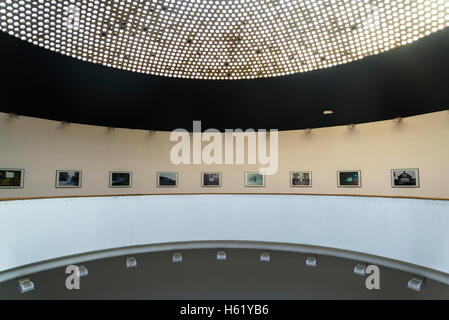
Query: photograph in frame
point(167, 179)
point(349, 179)
point(120, 179)
point(405, 178)
point(300, 179)
point(211, 179)
point(11, 178)
point(254, 179)
point(68, 179)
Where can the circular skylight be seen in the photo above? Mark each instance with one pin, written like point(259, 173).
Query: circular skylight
point(222, 39)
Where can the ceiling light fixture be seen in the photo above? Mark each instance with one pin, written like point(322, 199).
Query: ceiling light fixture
point(360, 269)
point(416, 283)
point(311, 262)
point(327, 112)
point(222, 39)
point(177, 257)
point(82, 271)
point(221, 255)
point(25, 285)
point(131, 262)
point(265, 257)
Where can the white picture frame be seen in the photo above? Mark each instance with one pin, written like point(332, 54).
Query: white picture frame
point(65, 179)
point(113, 179)
point(6, 174)
point(165, 177)
point(348, 181)
point(212, 175)
point(301, 178)
point(411, 174)
point(252, 180)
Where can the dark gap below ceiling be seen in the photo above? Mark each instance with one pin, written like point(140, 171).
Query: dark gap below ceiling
point(406, 81)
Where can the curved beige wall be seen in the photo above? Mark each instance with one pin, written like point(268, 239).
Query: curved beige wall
point(42, 146)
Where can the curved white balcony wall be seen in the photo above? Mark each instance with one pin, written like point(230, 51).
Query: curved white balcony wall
point(42, 146)
point(378, 230)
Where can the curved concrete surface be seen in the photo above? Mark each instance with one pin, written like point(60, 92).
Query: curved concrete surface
point(407, 234)
point(241, 276)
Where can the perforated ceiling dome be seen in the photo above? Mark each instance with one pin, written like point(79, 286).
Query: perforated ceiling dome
point(222, 39)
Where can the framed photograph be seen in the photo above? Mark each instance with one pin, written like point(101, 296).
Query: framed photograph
point(300, 179)
point(167, 179)
point(11, 178)
point(211, 179)
point(349, 179)
point(254, 179)
point(68, 179)
point(405, 178)
point(120, 179)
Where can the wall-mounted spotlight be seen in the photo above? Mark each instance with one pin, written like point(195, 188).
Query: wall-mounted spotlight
point(221, 255)
point(25, 285)
point(82, 271)
point(151, 132)
point(307, 130)
point(351, 126)
point(397, 119)
point(13, 115)
point(311, 262)
point(131, 262)
point(360, 269)
point(177, 257)
point(265, 257)
point(416, 283)
point(65, 123)
point(110, 129)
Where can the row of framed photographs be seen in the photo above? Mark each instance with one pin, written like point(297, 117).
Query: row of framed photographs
point(400, 178)
point(14, 178)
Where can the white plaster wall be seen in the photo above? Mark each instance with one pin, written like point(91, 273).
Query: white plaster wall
point(408, 230)
point(42, 146)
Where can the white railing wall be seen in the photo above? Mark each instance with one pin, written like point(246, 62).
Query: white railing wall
point(411, 231)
